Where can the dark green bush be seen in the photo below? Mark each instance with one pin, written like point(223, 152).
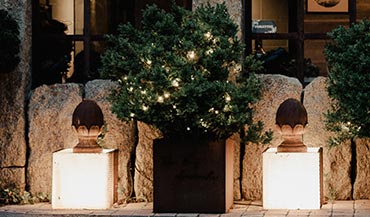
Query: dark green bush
point(9, 42)
point(182, 72)
point(348, 57)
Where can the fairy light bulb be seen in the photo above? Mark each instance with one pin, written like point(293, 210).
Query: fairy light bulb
point(210, 51)
point(166, 95)
point(175, 82)
point(208, 35)
point(227, 98)
point(191, 55)
point(160, 99)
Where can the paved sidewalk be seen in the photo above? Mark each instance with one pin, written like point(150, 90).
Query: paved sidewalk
point(354, 208)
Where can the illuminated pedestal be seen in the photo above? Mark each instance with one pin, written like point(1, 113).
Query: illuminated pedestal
point(292, 180)
point(83, 180)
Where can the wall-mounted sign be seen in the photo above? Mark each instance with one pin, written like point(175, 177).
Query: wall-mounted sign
point(264, 26)
point(327, 6)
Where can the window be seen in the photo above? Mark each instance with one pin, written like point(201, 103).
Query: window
point(68, 35)
point(302, 35)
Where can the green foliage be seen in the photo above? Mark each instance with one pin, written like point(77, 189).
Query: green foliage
point(9, 42)
point(12, 195)
point(182, 73)
point(348, 85)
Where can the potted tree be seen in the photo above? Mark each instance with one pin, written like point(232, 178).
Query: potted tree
point(349, 82)
point(181, 72)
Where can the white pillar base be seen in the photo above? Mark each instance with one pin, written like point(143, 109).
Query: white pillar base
point(83, 180)
point(292, 180)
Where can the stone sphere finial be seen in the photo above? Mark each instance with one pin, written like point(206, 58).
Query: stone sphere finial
point(291, 119)
point(87, 121)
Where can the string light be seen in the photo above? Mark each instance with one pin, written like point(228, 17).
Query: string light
point(191, 55)
point(175, 82)
point(208, 35)
point(166, 95)
point(210, 51)
point(160, 99)
point(227, 97)
point(145, 108)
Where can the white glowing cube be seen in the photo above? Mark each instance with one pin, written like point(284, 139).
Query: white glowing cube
point(292, 180)
point(83, 180)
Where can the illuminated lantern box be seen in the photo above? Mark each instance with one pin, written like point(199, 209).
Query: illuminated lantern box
point(292, 180)
point(83, 180)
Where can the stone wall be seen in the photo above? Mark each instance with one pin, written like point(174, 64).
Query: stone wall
point(35, 124)
point(337, 160)
point(50, 116)
point(50, 120)
point(14, 87)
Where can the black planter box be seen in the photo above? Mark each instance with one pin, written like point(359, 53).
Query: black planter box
point(192, 176)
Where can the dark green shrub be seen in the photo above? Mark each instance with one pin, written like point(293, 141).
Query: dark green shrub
point(348, 85)
point(182, 73)
point(9, 42)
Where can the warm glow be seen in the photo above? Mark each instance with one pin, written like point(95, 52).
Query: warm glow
point(227, 98)
point(191, 55)
point(166, 95)
point(210, 51)
point(208, 35)
point(291, 180)
point(160, 99)
point(83, 180)
point(175, 82)
point(145, 108)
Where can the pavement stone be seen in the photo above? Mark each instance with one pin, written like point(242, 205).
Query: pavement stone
point(350, 208)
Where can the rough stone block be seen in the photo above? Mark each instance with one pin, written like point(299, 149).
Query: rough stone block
point(50, 118)
point(144, 162)
point(12, 177)
point(337, 160)
point(361, 188)
point(14, 87)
